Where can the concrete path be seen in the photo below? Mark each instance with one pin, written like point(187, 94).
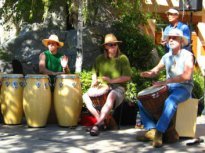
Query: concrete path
point(53, 139)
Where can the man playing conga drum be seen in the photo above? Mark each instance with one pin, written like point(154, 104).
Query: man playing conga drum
point(53, 63)
point(113, 69)
point(179, 65)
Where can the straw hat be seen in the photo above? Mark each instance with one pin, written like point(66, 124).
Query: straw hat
point(52, 38)
point(178, 33)
point(110, 38)
point(173, 11)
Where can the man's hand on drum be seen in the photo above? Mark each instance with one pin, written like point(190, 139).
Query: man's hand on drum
point(159, 83)
point(106, 79)
point(94, 83)
point(57, 73)
point(147, 74)
point(64, 61)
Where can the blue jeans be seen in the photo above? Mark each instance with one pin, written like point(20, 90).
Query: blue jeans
point(177, 94)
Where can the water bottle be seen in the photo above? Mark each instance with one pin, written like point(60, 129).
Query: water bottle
point(138, 121)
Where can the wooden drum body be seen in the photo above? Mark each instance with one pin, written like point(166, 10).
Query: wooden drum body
point(11, 98)
point(99, 95)
point(152, 98)
point(36, 100)
point(68, 99)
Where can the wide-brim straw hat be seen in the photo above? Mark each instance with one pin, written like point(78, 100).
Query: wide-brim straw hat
point(52, 38)
point(110, 38)
point(178, 33)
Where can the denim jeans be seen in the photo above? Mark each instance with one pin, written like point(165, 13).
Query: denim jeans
point(177, 94)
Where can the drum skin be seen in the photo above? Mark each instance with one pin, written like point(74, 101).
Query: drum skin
point(68, 99)
point(36, 100)
point(152, 98)
point(11, 98)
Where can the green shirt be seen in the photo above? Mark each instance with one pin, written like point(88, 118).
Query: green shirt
point(53, 63)
point(113, 68)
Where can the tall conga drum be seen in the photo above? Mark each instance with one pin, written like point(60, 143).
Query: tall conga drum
point(36, 100)
point(1, 79)
point(11, 98)
point(68, 99)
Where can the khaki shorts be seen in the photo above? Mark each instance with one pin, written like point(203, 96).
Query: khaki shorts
point(120, 93)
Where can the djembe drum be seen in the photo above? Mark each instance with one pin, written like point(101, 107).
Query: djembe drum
point(68, 99)
point(36, 100)
point(152, 98)
point(99, 95)
point(11, 98)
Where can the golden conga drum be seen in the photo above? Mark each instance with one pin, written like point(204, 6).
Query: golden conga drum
point(1, 79)
point(68, 99)
point(11, 98)
point(36, 100)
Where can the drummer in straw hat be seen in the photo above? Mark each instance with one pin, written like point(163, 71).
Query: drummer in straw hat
point(112, 68)
point(51, 62)
point(179, 69)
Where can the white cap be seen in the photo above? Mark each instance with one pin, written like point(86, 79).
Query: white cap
point(172, 10)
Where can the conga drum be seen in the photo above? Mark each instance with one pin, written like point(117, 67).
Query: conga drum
point(98, 95)
point(36, 100)
point(11, 98)
point(152, 98)
point(68, 99)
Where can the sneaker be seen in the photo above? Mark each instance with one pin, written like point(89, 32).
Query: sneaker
point(157, 142)
point(148, 136)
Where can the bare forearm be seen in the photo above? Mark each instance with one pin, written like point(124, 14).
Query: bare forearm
point(121, 79)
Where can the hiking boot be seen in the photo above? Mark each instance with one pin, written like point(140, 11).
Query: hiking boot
point(157, 142)
point(148, 136)
point(171, 136)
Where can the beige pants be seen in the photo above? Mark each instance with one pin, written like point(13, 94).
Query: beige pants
point(120, 93)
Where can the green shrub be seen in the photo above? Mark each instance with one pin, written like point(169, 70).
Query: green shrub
point(85, 78)
point(198, 89)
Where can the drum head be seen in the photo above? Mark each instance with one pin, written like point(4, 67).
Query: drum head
point(36, 76)
point(150, 90)
point(12, 75)
point(98, 90)
point(68, 76)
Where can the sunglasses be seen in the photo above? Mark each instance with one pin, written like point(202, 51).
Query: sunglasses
point(173, 37)
point(171, 14)
point(52, 43)
point(111, 44)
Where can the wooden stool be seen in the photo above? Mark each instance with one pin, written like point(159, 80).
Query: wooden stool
point(186, 118)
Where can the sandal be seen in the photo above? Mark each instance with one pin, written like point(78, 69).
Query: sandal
point(95, 130)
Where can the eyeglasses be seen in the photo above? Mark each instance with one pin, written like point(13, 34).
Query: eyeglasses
point(111, 44)
point(173, 37)
point(52, 43)
point(172, 14)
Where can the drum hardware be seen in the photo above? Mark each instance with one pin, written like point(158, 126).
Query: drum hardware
point(74, 84)
point(38, 84)
point(60, 84)
point(22, 84)
point(155, 95)
point(15, 84)
point(46, 85)
point(7, 83)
